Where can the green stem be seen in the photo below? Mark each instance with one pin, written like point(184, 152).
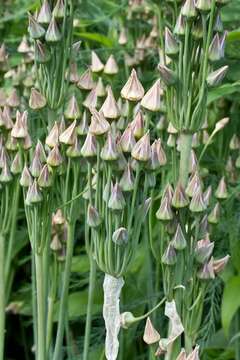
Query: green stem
point(64, 293)
point(92, 281)
point(185, 152)
point(188, 343)
point(12, 231)
point(41, 329)
point(2, 297)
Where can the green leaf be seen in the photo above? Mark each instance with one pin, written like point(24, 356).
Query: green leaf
point(230, 302)
point(80, 264)
point(226, 89)
point(99, 38)
point(77, 304)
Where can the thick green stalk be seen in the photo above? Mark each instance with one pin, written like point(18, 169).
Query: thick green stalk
point(12, 231)
point(41, 328)
point(2, 297)
point(64, 293)
point(92, 281)
point(185, 152)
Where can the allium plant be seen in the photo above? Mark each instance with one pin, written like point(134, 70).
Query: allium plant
point(11, 147)
point(100, 160)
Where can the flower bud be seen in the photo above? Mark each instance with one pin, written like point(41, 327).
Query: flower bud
point(158, 156)
point(203, 250)
point(52, 138)
point(221, 192)
point(152, 99)
point(72, 111)
point(37, 100)
point(234, 143)
point(110, 108)
point(189, 10)
point(127, 140)
point(127, 319)
point(16, 165)
point(193, 162)
point(99, 125)
point(216, 77)
point(213, 217)
point(137, 125)
point(179, 242)
point(195, 141)
point(179, 199)
point(180, 26)
point(165, 212)
point(218, 26)
point(169, 256)
point(182, 355)
point(197, 203)
point(53, 34)
point(35, 30)
point(74, 150)
point(215, 51)
point(100, 89)
point(58, 218)
point(121, 124)
point(111, 67)
point(55, 244)
point(122, 40)
point(93, 217)
point(44, 16)
point(127, 180)
point(171, 45)
point(168, 76)
point(86, 81)
point(36, 166)
point(151, 336)
point(54, 158)
point(59, 9)
point(13, 99)
point(42, 54)
point(34, 195)
point(194, 355)
point(193, 185)
point(109, 151)
point(168, 191)
point(45, 177)
point(133, 89)
point(68, 137)
point(19, 130)
point(120, 236)
point(83, 128)
point(207, 271)
point(220, 264)
point(171, 142)
point(142, 149)
point(73, 73)
point(5, 175)
point(97, 65)
point(221, 124)
point(203, 5)
point(116, 200)
point(89, 148)
point(207, 195)
point(26, 178)
point(91, 99)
